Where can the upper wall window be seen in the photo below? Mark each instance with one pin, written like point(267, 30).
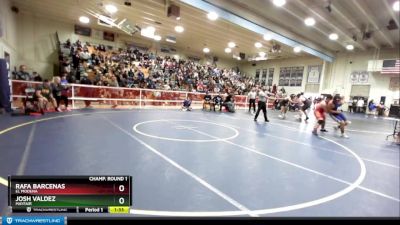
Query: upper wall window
point(291, 76)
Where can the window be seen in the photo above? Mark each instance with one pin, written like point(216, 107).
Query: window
point(257, 77)
point(291, 76)
point(264, 77)
point(270, 76)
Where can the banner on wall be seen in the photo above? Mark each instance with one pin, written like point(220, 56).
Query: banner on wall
point(84, 31)
point(363, 77)
point(357, 77)
point(314, 74)
point(354, 77)
point(394, 84)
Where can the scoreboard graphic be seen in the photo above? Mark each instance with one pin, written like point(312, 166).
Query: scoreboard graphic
point(70, 194)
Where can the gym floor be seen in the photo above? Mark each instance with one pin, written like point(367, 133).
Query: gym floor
point(204, 163)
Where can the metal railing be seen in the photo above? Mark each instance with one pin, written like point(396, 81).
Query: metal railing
point(133, 97)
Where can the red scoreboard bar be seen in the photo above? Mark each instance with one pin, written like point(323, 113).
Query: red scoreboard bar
point(70, 194)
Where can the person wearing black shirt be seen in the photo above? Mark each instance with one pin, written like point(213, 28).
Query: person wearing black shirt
point(36, 77)
point(43, 95)
point(229, 103)
point(207, 100)
point(22, 74)
point(217, 100)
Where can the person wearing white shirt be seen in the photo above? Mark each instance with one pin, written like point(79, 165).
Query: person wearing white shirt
point(262, 105)
point(252, 100)
point(360, 104)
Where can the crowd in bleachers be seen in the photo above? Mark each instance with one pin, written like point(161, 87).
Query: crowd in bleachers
point(135, 68)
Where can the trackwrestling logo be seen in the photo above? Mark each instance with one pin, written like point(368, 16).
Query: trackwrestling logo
point(33, 220)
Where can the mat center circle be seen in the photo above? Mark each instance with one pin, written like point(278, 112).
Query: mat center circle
point(188, 128)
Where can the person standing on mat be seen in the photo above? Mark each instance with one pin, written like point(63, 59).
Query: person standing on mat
point(252, 100)
point(304, 104)
point(262, 105)
point(337, 115)
point(319, 112)
point(285, 104)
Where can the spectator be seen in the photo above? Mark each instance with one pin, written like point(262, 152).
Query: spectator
point(381, 109)
point(187, 104)
point(217, 101)
point(274, 89)
point(372, 107)
point(44, 95)
point(87, 92)
point(115, 93)
point(229, 103)
point(360, 105)
point(353, 106)
point(36, 77)
point(207, 100)
point(22, 74)
point(59, 94)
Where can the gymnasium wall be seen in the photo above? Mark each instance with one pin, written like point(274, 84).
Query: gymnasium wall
point(337, 74)
point(250, 70)
point(8, 25)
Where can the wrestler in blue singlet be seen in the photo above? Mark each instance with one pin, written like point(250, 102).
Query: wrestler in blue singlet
point(338, 117)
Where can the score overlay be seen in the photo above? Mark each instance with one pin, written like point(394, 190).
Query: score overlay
point(70, 194)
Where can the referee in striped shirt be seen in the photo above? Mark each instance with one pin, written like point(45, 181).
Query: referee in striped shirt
point(262, 105)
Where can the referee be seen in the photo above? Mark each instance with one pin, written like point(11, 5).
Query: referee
point(252, 100)
point(262, 105)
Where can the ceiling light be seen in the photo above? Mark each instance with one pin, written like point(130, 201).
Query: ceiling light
point(84, 19)
point(297, 49)
point(333, 36)
point(157, 37)
point(396, 6)
point(349, 47)
point(206, 50)
point(170, 40)
point(279, 3)
point(151, 29)
point(178, 18)
point(228, 50)
point(267, 37)
point(258, 45)
point(111, 9)
point(262, 54)
point(231, 44)
point(179, 29)
point(212, 16)
point(148, 32)
point(309, 21)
